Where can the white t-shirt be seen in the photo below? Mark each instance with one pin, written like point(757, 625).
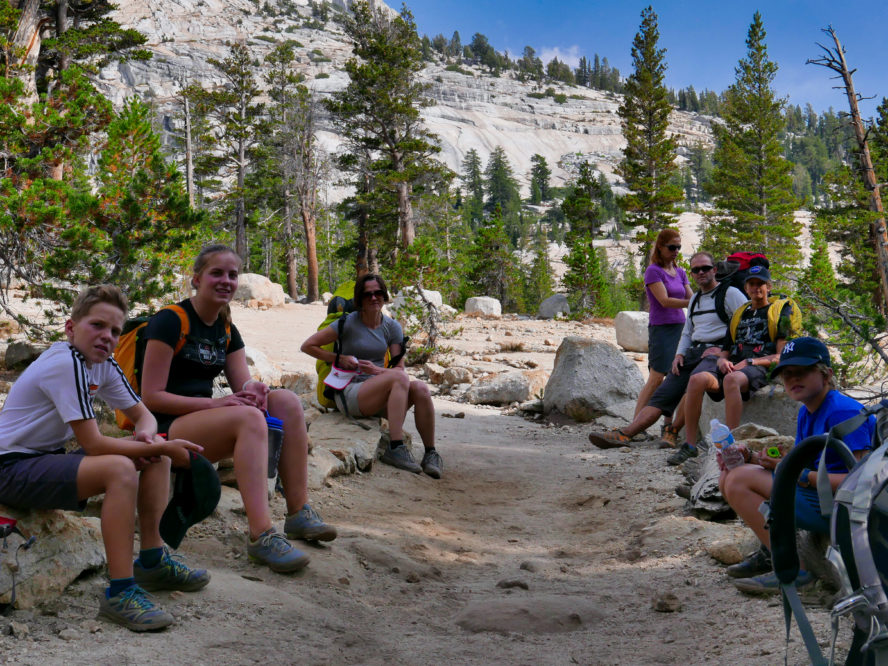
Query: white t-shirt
point(54, 390)
point(705, 325)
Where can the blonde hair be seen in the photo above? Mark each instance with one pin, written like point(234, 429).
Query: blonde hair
point(200, 263)
point(828, 374)
point(100, 293)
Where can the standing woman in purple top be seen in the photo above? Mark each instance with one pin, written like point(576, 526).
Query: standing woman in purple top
point(668, 291)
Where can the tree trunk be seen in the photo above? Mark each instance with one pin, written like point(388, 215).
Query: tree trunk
point(240, 226)
point(189, 157)
point(289, 252)
point(27, 38)
point(405, 216)
point(61, 28)
point(311, 255)
point(835, 60)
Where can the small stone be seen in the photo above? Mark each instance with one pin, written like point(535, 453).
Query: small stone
point(511, 583)
point(666, 603)
point(69, 634)
point(527, 565)
point(724, 551)
point(412, 577)
point(18, 629)
point(343, 580)
point(176, 594)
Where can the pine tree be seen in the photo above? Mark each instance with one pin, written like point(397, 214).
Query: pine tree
point(586, 276)
point(540, 284)
point(649, 156)
point(539, 179)
point(379, 110)
point(492, 268)
point(581, 205)
point(502, 191)
point(751, 182)
point(473, 182)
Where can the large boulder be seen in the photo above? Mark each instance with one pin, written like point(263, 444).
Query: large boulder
point(507, 387)
point(632, 330)
point(252, 287)
point(407, 304)
point(21, 354)
point(588, 377)
point(484, 306)
point(66, 544)
point(769, 406)
point(261, 368)
point(554, 306)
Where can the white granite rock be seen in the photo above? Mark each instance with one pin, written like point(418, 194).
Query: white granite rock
point(484, 305)
point(632, 330)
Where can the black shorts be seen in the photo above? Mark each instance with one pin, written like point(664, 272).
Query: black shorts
point(42, 481)
point(669, 393)
point(662, 343)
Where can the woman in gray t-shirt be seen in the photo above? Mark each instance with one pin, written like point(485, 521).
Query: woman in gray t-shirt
point(367, 334)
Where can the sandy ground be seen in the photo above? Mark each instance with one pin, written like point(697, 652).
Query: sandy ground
point(532, 549)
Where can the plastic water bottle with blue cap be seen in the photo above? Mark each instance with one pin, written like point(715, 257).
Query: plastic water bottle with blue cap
point(720, 434)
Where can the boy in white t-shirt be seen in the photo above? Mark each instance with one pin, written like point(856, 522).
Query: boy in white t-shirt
point(50, 403)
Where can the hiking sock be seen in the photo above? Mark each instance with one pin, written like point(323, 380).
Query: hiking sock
point(118, 585)
point(150, 557)
point(395, 443)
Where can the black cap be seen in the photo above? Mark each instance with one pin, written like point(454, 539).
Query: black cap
point(804, 352)
point(196, 492)
point(758, 272)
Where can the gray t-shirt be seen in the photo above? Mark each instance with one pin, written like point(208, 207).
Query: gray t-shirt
point(368, 344)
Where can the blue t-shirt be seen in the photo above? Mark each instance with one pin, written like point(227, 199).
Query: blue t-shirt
point(834, 409)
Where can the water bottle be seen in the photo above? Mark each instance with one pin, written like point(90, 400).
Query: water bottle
point(275, 441)
point(721, 437)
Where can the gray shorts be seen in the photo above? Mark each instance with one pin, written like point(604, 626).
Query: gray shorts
point(349, 395)
point(756, 374)
point(662, 343)
point(45, 481)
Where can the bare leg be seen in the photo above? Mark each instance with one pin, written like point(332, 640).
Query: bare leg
point(697, 386)
point(734, 384)
point(388, 391)
point(239, 432)
point(745, 488)
point(154, 491)
point(644, 419)
point(293, 466)
point(678, 416)
point(653, 382)
point(116, 476)
point(420, 399)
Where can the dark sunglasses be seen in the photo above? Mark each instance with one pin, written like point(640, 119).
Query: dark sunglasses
point(701, 269)
point(673, 248)
point(379, 293)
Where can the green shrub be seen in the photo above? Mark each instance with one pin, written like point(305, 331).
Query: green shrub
point(322, 75)
point(560, 98)
point(536, 95)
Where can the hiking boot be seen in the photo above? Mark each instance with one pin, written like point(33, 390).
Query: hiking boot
point(432, 464)
point(400, 457)
point(684, 452)
point(768, 583)
point(273, 550)
point(609, 439)
point(668, 438)
point(755, 563)
point(307, 525)
point(170, 574)
point(134, 610)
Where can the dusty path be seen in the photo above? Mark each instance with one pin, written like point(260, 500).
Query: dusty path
point(583, 542)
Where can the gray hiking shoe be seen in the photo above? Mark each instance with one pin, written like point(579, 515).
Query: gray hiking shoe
point(684, 452)
point(755, 563)
point(307, 525)
point(134, 610)
point(432, 464)
point(273, 550)
point(170, 574)
point(400, 457)
point(769, 584)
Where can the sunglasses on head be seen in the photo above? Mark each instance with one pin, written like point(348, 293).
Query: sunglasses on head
point(379, 293)
point(673, 248)
point(701, 269)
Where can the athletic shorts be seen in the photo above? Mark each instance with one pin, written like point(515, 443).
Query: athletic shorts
point(43, 481)
point(662, 343)
point(669, 393)
point(350, 396)
point(807, 511)
point(756, 374)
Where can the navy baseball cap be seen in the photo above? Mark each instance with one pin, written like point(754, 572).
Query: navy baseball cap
point(196, 492)
point(758, 272)
point(804, 352)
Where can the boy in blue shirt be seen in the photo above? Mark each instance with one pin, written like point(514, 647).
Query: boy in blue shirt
point(52, 402)
point(807, 375)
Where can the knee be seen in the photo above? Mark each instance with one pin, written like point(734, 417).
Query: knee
point(285, 405)
point(419, 391)
point(120, 471)
point(251, 422)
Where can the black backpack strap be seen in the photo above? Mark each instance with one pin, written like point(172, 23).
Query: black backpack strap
point(694, 300)
point(721, 292)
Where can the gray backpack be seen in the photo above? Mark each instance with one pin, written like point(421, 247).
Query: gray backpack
point(858, 539)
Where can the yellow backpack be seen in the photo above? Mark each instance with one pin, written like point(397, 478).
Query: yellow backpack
point(777, 302)
point(340, 307)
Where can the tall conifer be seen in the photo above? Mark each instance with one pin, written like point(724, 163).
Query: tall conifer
point(752, 181)
point(649, 156)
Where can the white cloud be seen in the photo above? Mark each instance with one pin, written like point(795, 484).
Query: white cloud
point(571, 55)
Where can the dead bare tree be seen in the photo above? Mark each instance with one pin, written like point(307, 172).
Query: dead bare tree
point(834, 59)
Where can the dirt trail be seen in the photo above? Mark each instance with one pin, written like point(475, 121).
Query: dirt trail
point(532, 549)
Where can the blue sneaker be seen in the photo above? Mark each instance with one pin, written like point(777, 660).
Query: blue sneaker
point(768, 583)
point(170, 574)
point(134, 610)
point(307, 525)
point(273, 550)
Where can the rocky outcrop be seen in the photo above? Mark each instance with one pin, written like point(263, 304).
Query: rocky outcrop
point(632, 330)
point(589, 376)
point(21, 354)
point(258, 291)
point(769, 406)
point(507, 387)
point(261, 368)
point(554, 306)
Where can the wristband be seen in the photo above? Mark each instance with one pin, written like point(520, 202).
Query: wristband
point(249, 381)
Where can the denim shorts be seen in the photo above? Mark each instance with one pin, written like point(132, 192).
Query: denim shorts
point(42, 481)
point(807, 511)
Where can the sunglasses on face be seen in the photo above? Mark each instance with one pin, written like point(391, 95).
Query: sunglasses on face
point(673, 248)
point(379, 293)
point(701, 269)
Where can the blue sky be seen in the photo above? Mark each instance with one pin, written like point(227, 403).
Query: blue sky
point(703, 39)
